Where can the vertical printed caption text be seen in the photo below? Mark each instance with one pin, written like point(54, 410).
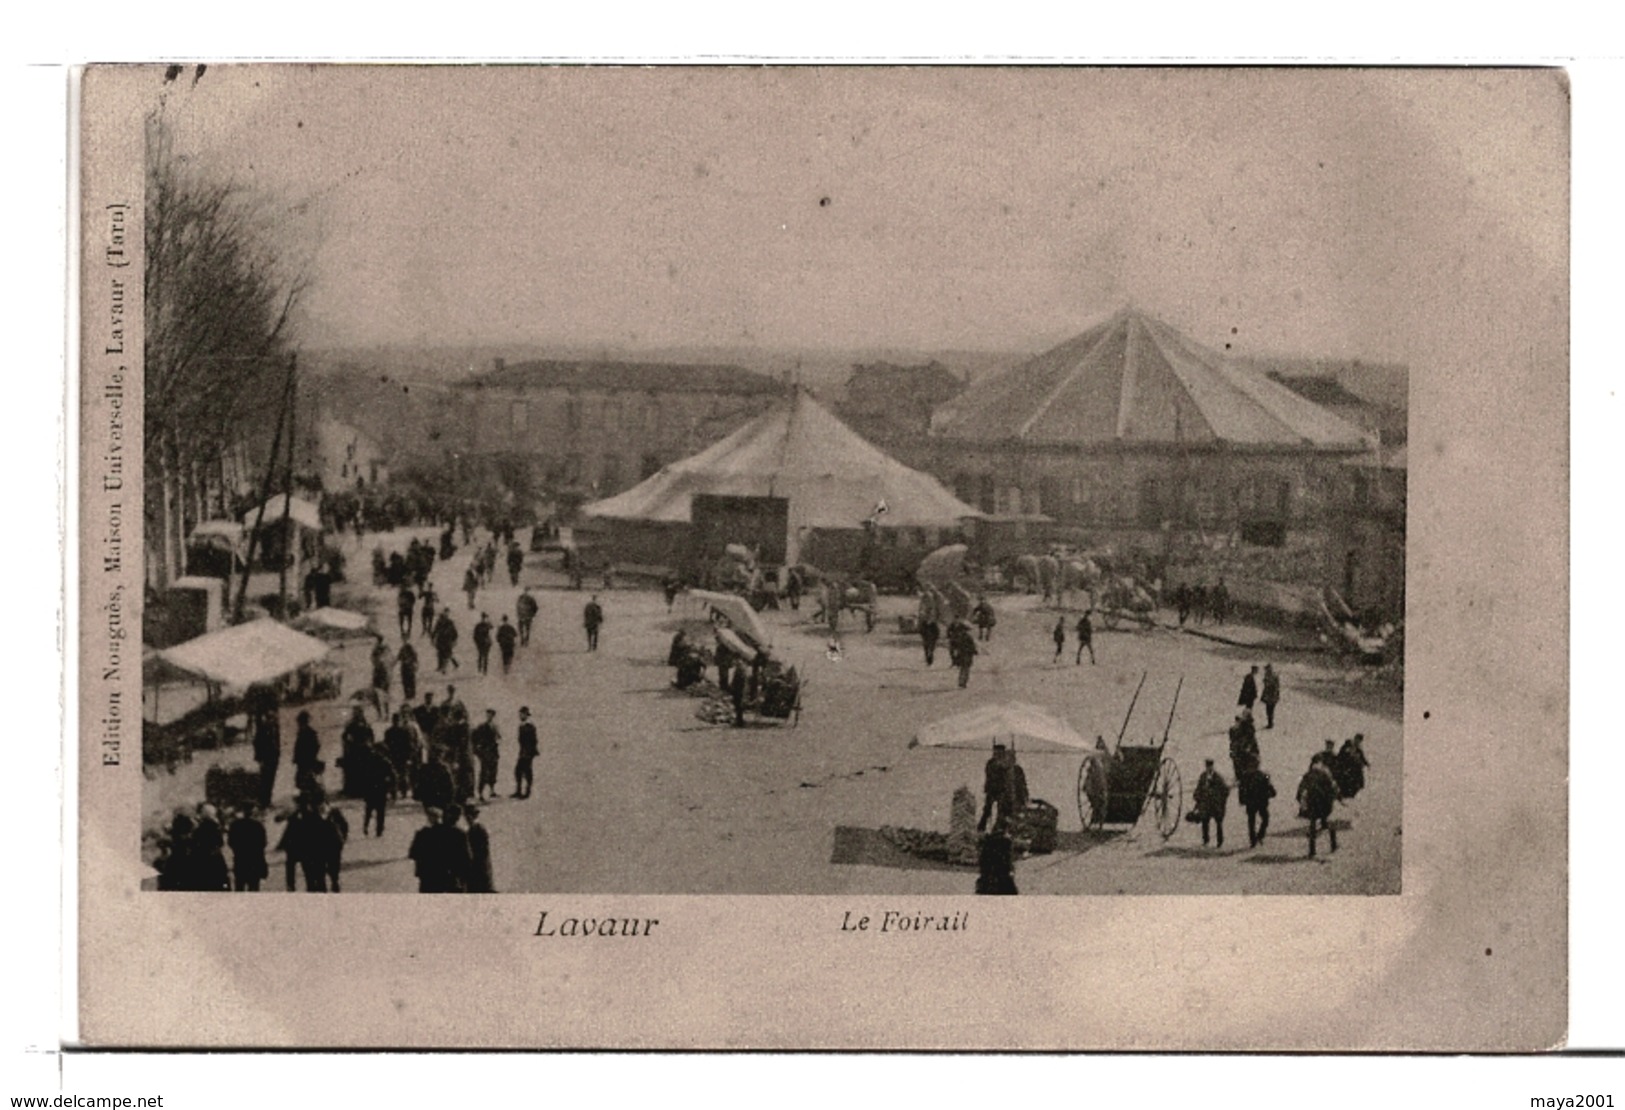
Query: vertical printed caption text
point(109, 486)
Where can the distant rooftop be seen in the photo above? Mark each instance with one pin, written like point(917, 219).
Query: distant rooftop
point(663, 377)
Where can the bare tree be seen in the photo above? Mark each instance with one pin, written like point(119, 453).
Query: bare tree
point(219, 306)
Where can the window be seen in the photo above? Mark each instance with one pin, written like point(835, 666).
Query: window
point(612, 413)
point(610, 475)
point(1049, 496)
point(572, 469)
point(984, 493)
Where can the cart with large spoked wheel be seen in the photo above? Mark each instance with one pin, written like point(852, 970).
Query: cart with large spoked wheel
point(1119, 786)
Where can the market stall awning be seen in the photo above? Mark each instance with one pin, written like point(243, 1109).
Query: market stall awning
point(245, 654)
point(1026, 727)
point(303, 513)
point(329, 620)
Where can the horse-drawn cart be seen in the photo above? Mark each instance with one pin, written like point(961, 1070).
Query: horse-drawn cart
point(1119, 786)
point(1122, 599)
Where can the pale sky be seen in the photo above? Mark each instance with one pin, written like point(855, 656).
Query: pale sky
point(1316, 212)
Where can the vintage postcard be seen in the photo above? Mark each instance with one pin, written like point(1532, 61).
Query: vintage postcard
point(658, 548)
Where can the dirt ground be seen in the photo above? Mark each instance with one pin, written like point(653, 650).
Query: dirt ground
point(634, 794)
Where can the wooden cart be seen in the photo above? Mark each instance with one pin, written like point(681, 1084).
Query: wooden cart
point(1119, 786)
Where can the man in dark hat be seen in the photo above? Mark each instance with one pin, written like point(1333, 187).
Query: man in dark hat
point(525, 609)
point(407, 660)
point(405, 603)
point(996, 788)
point(307, 754)
point(1249, 690)
point(507, 639)
point(1086, 638)
point(1317, 793)
point(1254, 790)
point(1212, 797)
point(1270, 694)
point(592, 618)
point(247, 840)
point(529, 748)
point(485, 740)
point(482, 643)
point(1243, 745)
point(267, 751)
point(445, 641)
point(401, 747)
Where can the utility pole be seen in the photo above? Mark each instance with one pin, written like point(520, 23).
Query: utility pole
point(265, 489)
point(289, 535)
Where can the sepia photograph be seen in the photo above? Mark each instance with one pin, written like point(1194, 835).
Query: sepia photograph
point(874, 486)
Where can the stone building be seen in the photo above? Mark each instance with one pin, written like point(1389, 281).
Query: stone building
point(597, 428)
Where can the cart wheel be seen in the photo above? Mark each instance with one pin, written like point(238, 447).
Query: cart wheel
point(1093, 791)
point(1167, 799)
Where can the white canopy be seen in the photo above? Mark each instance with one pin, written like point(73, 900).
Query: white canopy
point(1025, 727)
point(245, 654)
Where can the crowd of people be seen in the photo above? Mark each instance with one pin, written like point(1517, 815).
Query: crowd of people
point(1335, 774)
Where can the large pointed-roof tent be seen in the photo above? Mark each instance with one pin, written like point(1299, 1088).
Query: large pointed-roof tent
point(1132, 424)
point(828, 481)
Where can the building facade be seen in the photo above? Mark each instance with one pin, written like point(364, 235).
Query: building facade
point(597, 429)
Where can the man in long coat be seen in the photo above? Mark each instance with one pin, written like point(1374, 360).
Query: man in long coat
point(1212, 797)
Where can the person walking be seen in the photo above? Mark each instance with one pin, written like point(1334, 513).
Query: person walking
point(380, 678)
point(486, 740)
point(406, 602)
point(482, 644)
point(267, 751)
point(445, 642)
point(247, 840)
point(525, 608)
point(430, 607)
point(404, 754)
point(962, 650)
point(592, 618)
point(471, 583)
point(307, 755)
point(985, 618)
point(507, 639)
point(479, 854)
point(1254, 790)
point(930, 618)
point(1086, 638)
point(1212, 797)
point(1058, 634)
point(1243, 745)
point(332, 833)
point(301, 849)
point(1270, 694)
point(354, 741)
point(516, 562)
point(1000, 790)
point(406, 660)
point(377, 785)
point(1317, 793)
point(524, 775)
point(1249, 690)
